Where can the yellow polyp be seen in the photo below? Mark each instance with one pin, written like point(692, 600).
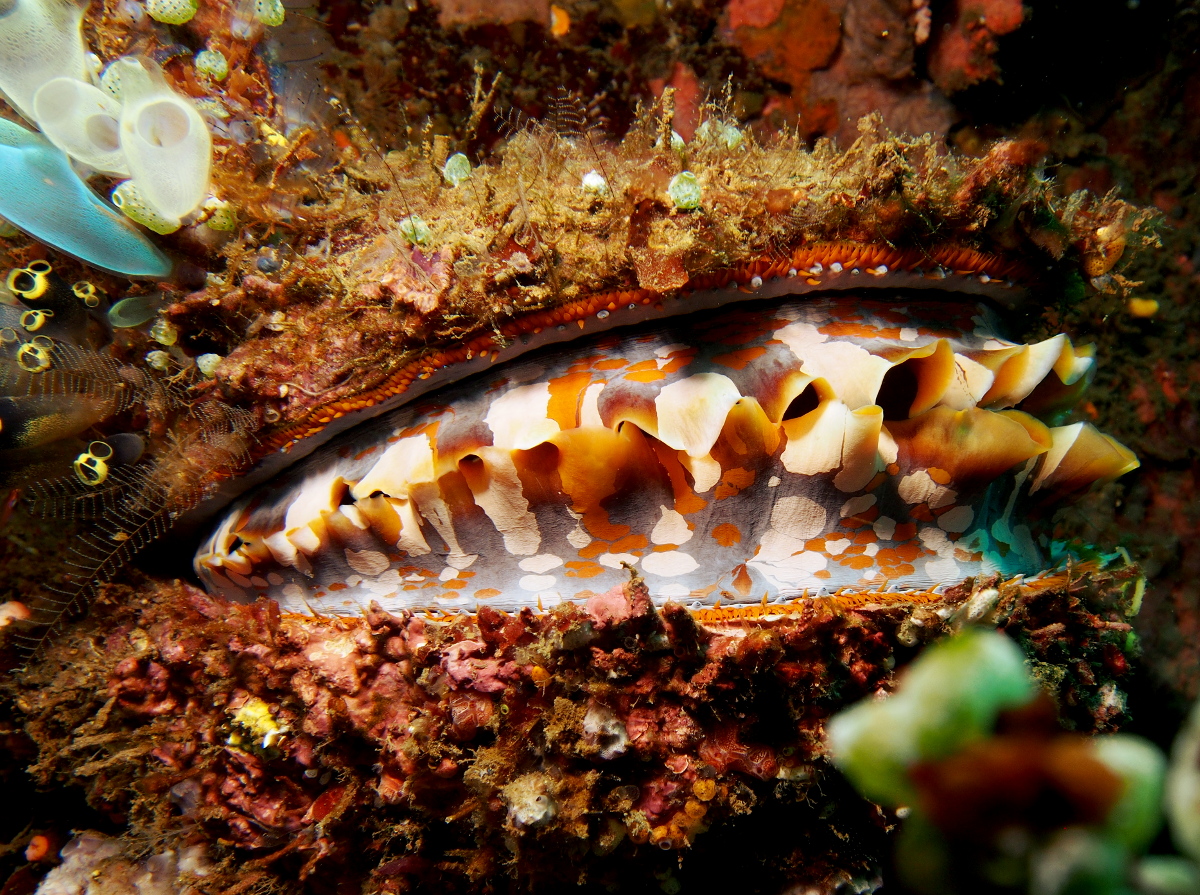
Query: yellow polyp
point(32, 321)
point(90, 470)
point(1142, 307)
point(272, 136)
point(29, 282)
point(87, 293)
point(256, 718)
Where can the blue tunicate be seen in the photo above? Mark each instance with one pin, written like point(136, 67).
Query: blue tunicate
point(135, 310)
point(41, 194)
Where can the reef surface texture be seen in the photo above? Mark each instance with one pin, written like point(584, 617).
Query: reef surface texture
point(602, 744)
point(401, 198)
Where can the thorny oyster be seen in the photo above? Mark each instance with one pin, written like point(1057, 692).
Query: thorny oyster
point(763, 451)
point(461, 748)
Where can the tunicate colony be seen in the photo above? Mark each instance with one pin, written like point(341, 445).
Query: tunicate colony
point(127, 122)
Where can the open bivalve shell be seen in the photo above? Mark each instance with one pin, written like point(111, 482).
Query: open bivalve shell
point(750, 453)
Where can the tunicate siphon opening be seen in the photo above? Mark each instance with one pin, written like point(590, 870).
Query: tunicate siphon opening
point(102, 131)
point(163, 124)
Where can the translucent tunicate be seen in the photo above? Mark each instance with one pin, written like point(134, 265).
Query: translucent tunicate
point(1137, 816)
point(110, 78)
point(133, 205)
point(135, 310)
point(951, 695)
point(221, 215)
point(731, 136)
point(457, 169)
point(414, 229)
point(675, 143)
point(269, 12)
point(1183, 787)
point(39, 40)
point(159, 360)
point(82, 120)
point(164, 333)
point(723, 132)
point(165, 140)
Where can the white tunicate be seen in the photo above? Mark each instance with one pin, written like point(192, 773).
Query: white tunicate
point(166, 143)
point(208, 363)
point(594, 182)
point(605, 732)
point(530, 801)
point(159, 360)
point(82, 121)
point(457, 169)
point(39, 40)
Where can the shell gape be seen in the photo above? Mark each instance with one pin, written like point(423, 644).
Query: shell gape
point(763, 450)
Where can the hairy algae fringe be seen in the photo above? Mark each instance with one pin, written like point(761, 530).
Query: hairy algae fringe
point(136, 505)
